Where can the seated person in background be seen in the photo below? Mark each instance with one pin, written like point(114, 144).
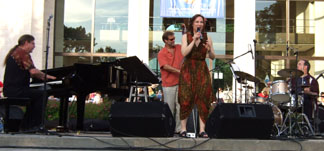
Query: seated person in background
point(263, 95)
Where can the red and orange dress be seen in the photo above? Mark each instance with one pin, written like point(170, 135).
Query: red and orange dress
point(195, 87)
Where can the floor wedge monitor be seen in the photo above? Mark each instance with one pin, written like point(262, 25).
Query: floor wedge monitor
point(240, 121)
point(141, 119)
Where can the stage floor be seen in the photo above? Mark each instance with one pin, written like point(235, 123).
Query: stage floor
point(104, 141)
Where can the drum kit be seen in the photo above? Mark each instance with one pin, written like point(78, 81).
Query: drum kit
point(289, 118)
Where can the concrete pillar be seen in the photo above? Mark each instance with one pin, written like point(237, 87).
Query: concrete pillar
point(138, 29)
point(244, 15)
point(319, 42)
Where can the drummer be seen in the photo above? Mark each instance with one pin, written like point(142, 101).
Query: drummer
point(309, 85)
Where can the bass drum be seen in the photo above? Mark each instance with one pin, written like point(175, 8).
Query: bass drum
point(277, 115)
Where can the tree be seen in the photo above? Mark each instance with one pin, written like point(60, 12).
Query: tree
point(76, 40)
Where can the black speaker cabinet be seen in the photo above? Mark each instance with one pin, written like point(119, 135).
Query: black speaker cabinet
point(144, 119)
point(240, 121)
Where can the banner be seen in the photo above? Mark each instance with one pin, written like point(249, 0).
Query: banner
point(188, 8)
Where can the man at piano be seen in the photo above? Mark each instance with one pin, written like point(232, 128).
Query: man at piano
point(170, 59)
point(19, 69)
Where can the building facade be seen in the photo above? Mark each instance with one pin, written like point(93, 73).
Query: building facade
point(92, 31)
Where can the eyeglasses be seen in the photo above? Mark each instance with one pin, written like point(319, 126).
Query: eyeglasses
point(171, 39)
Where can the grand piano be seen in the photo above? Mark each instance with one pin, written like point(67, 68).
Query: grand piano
point(112, 78)
point(82, 79)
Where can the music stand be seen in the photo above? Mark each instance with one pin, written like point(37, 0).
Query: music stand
point(138, 70)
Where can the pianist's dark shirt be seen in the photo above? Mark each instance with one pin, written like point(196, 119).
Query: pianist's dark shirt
point(17, 76)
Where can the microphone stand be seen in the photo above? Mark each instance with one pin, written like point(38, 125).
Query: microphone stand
point(255, 57)
point(217, 68)
point(296, 80)
point(44, 102)
point(236, 79)
point(320, 75)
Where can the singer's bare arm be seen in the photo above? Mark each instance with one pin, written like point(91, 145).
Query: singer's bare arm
point(185, 48)
point(210, 49)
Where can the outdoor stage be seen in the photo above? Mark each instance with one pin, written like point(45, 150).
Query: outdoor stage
point(104, 141)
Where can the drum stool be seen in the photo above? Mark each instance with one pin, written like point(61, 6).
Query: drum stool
point(133, 93)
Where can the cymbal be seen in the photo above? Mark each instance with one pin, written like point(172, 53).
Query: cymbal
point(246, 76)
point(305, 86)
point(241, 81)
point(248, 87)
point(290, 72)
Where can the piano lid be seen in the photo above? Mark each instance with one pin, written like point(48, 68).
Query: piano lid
point(138, 69)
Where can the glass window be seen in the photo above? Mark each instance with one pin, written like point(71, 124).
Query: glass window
point(277, 48)
point(70, 60)
point(77, 26)
point(111, 26)
point(74, 30)
point(302, 28)
point(271, 37)
point(271, 27)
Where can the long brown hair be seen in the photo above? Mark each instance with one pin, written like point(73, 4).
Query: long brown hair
point(21, 41)
point(191, 22)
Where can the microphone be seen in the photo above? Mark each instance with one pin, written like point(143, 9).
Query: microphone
point(49, 20)
point(251, 50)
point(198, 30)
point(50, 17)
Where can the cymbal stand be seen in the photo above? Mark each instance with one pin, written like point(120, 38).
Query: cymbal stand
point(295, 127)
point(236, 77)
point(302, 114)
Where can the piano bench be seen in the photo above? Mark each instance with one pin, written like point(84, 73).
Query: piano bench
point(133, 91)
point(7, 102)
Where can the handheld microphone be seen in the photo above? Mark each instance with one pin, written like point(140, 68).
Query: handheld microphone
point(198, 30)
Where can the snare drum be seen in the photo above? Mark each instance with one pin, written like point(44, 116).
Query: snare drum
point(292, 102)
point(279, 92)
point(261, 100)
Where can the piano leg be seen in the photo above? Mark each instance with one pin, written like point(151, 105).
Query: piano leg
point(63, 117)
point(80, 111)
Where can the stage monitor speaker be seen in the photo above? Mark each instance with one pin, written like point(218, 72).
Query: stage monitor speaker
point(143, 119)
point(240, 121)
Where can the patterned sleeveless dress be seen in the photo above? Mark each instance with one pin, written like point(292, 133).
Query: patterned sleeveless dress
point(195, 86)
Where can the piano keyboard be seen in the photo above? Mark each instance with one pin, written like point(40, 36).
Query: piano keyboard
point(49, 83)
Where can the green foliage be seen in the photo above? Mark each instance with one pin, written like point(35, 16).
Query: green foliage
point(76, 39)
point(92, 111)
